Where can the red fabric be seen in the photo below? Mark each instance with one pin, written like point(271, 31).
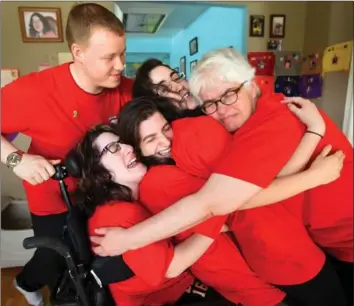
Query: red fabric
point(165, 185)
point(221, 266)
point(41, 105)
point(273, 240)
point(264, 145)
point(263, 62)
point(265, 83)
point(149, 285)
point(328, 210)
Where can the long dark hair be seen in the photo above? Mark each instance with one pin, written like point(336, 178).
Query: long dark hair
point(143, 86)
point(96, 186)
point(46, 25)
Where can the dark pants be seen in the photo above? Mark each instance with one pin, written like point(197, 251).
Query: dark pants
point(345, 272)
point(46, 265)
point(324, 289)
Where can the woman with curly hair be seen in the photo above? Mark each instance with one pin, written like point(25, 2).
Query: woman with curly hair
point(108, 193)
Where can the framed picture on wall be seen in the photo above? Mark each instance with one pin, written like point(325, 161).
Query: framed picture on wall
point(192, 65)
point(256, 25)
point(40, 24)
point(182, 65)
point(193, 46)
point(277, 26)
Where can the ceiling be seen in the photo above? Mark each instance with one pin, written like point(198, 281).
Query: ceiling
point(167, 18)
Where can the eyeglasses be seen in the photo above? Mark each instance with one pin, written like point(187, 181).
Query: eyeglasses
point(112, 147)
point(228, 98)
point(166, 86)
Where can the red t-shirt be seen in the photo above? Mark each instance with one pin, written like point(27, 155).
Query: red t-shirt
point(273, 241)
point(264, 145)
point(164, 185)
point(149, 286)
point(41, 105)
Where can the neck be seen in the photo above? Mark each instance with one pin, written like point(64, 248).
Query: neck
point(135, 191)
point(82, 80)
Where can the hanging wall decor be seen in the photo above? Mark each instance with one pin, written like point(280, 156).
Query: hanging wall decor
point(288, 63)
point(287, 85)
point(265, 83)
point(337, 57)
point(277, 26)
point(263, 62)
point(40, 24)
point(311, 63)
point(310, 86)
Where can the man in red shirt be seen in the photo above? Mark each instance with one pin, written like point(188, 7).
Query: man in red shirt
point(265, 137)
point(55, 108)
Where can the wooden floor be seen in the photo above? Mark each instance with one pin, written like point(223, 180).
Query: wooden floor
point(9, 295)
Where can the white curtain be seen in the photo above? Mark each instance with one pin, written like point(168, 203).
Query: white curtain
point(348, 111)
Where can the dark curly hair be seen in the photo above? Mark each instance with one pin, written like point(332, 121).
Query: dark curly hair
point(96, 186)
point(143, 86)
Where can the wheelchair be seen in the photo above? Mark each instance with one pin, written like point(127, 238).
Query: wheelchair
point(87, 276)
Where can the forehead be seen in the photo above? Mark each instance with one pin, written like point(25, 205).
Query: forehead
point(153, 124)
point(104, 139)
point(160, 73)
point(215, 92)
point(106, 41)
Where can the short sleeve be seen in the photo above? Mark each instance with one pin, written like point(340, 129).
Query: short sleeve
point(263, 145)
point(151, 262)
point(198, 144)
point(18, 102)
point(162, 186)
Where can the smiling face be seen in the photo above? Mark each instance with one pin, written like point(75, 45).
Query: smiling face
point(119, 159)
point(102, 58)
point(155, 136)
point(168, 83)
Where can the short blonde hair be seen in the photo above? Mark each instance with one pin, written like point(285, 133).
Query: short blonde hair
point(86, 16)
point(222, 65)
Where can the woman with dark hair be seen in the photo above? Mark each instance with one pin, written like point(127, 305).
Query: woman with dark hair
point(154, 78)
point(39, 26)
point(181, 154)
point(108, 193)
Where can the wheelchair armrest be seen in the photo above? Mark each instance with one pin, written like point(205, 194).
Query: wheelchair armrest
point(47, 242)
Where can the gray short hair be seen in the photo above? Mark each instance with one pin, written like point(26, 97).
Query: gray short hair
point(219, 66)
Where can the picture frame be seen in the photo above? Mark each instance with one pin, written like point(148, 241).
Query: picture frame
point(40, 24)
point(182, 65)
point(277, 26)
point(192, 65)
point(193, 46)
point(256, 26)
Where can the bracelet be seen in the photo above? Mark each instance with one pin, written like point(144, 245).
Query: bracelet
point(315, 133)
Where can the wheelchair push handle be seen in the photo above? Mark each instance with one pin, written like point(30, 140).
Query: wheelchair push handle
point(61, 172)
point(46, 242)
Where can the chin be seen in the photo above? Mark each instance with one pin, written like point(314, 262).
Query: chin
point(111, 84)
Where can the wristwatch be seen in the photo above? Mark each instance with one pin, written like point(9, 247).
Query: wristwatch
point(14, 158)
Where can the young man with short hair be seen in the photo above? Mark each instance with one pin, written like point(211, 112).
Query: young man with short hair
point(56, 107)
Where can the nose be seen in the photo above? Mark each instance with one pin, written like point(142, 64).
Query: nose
point(126, 149)
point(164, 141)
point(222, 109)
point(119, 64)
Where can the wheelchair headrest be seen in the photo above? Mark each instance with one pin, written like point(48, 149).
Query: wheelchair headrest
point(73, 164)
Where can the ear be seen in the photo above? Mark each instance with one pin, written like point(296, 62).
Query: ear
point(254, 89)
point(78, 52)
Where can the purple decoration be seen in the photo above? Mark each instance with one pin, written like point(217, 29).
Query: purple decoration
point(311, 86)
